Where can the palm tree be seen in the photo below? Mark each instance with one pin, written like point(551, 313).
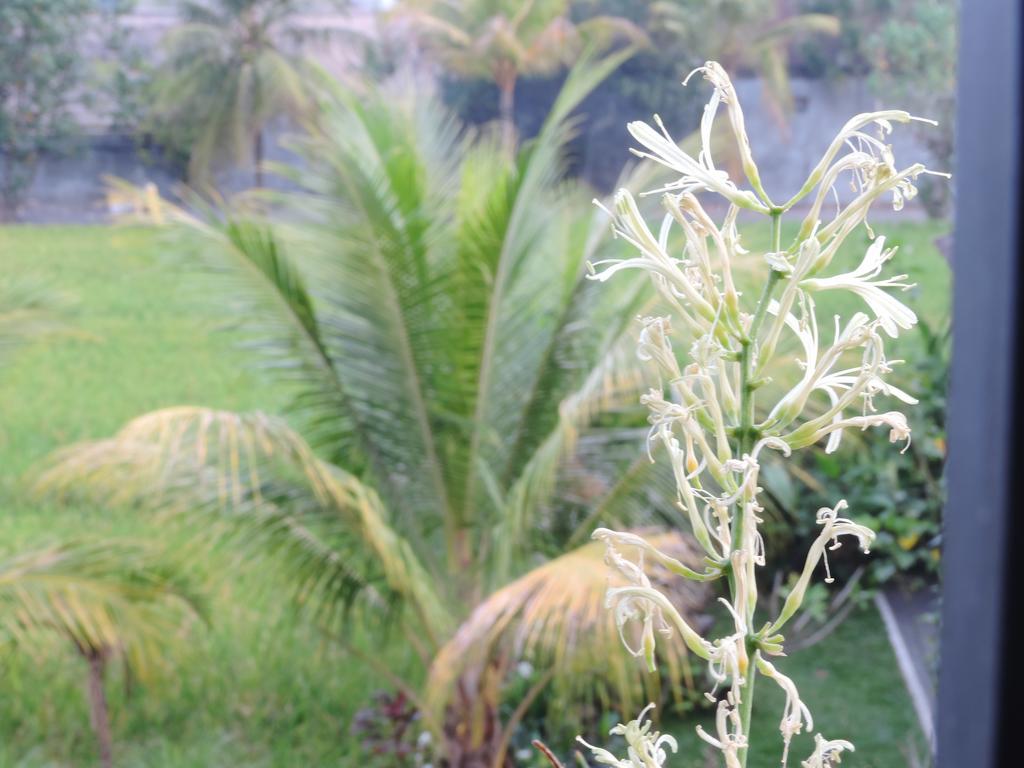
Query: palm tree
point(499, 40)
point(227, 73)
point(110, 600)
point(742, 35)
point(426, 299)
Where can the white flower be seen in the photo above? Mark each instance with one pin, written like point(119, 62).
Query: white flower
point(640, 602)
point(630, 607)
point(728, 655)
point(728, 737)
point(725, 93)
point(672, 276)
point(867, 386)
point(817, 366)
point(654, 343)
point(634, 572)
point(834, 526)
point(795, 715)
point(645, 748)
point(779, 262)
point(896, 421)
point(696, 174)
point(868, 155)
point(891, 313)
point(704, 411)
point(826, 753)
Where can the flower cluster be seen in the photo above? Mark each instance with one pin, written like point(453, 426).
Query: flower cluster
point(646, 747)
point(703, 415)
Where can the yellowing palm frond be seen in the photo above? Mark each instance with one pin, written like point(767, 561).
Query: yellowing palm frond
point(555, 617)
point(108, 599)
point(253, 478)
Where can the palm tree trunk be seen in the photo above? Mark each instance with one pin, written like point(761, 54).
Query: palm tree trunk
point(505, 77)
point(98, 712)
point(257, 156)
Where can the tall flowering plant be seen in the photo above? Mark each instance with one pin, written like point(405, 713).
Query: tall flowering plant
point(704, 415)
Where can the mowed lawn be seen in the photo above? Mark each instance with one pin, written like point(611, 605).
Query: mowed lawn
point(254, 689)
point(258, 688)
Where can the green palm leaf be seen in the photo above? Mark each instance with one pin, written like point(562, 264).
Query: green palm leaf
point(531, 286)
point(378, 250)
point(253, 479)
point(106, 598)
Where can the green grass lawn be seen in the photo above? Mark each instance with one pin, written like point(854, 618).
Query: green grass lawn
point(257, 689)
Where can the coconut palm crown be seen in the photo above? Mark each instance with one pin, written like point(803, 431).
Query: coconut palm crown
point(502, 40)
point(227, 71)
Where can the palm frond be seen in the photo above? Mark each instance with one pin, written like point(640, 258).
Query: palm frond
point(531, 282)
point(614, 481)
point(376, 199)
point(613, 383)
point(589, 368)
point(555, 617)
point(593, 329)
point(110, 598)
point(261, 290)
point(252, 478)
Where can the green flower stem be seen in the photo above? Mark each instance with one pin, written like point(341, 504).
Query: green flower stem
point(747, 701)
point(746, 437)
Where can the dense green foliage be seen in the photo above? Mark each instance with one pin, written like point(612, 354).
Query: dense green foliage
point(41, 68)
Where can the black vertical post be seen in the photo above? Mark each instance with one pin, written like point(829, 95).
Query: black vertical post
point(974, 728)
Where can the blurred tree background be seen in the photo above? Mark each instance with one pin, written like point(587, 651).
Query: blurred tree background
point(41, 66)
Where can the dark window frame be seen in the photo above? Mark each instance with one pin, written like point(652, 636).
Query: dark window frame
point(976, 715)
